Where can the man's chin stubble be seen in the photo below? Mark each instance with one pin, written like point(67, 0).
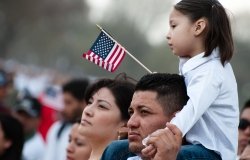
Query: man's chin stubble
point(136, 148)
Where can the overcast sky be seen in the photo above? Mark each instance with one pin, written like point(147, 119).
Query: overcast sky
point(235, 6)
point(156, 33)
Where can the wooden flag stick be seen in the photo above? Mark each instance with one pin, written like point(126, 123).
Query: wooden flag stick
point(99, 27)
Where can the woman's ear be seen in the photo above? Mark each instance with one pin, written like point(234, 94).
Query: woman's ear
point(200, 26)
point(7, 144)
point(123, 124)
point(123, 132)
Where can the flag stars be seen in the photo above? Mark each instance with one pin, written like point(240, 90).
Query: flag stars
point(105, 52)
point(103, 46)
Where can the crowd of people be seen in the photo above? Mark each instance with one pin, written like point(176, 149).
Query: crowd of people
point(190, 115)
point(109, 120)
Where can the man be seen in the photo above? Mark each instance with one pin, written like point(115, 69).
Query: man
point(28, 112)
point(244, 128)
point(58, 134)
point(156, 99)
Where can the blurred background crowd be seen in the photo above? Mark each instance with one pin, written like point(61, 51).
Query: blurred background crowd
point(52, 35)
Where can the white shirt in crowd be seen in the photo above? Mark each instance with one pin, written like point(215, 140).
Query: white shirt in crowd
point(56, 147)
point(211, 115)
point(34, 148)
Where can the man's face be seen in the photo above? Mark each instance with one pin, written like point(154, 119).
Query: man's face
point(147, 116)
point(72, 107)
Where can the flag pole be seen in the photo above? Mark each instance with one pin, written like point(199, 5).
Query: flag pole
point(99, 27)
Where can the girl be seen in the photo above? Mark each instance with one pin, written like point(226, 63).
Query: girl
point(106, 113)
point(200, 34)
point(78, 147)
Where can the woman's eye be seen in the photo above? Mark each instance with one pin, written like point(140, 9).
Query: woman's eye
point(89, 102)
point(102, 107)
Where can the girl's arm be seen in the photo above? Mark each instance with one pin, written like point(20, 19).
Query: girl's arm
point(203, 89)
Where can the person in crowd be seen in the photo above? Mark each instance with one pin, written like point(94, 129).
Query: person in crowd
point(246, 153)
point(3, 92)
point(78, 147)
point(52, 103)
point(244, 128)
point(156, 100)
point(28, 112)
point(58, 134)
point(200, 34)
point(106, 113)
point(11, 138)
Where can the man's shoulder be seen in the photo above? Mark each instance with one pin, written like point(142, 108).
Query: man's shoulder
point(117, 150)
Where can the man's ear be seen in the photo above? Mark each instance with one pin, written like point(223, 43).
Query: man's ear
point(173, 115)
point(200, 26)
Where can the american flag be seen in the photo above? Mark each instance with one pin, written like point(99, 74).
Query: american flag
point(105, 53)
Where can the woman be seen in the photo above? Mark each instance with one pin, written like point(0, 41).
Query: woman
point(11, 138)
point(78, 147)
point(106, 113)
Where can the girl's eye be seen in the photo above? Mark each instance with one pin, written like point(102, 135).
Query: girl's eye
point(173, 26)
point(69, 139)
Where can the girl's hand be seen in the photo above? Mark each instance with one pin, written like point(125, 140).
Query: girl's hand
point(163, 144)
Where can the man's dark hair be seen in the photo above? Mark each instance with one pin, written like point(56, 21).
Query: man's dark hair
point(76, 88)
point(170, 88)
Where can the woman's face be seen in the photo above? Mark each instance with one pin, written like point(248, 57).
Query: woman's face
point(4, 143)
point(101, 118)
point(78, 147)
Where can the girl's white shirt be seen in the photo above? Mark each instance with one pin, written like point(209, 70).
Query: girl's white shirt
point(211, 115)
point(134, 158)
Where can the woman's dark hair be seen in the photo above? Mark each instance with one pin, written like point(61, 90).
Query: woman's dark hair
point(122, 90)
point(13, 131)
point(218, 33)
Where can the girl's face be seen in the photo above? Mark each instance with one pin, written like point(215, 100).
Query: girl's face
point(181, 38)
point(4, 143)
point(101, 118)
point(78, 148)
